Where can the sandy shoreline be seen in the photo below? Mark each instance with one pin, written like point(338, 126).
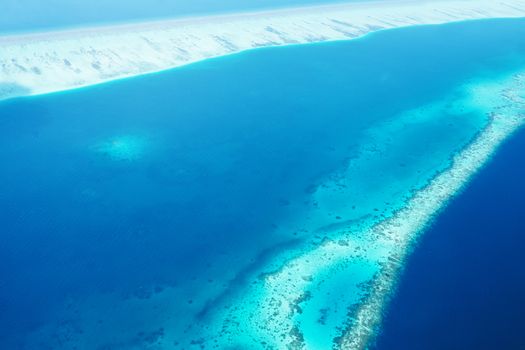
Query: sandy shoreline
point(38, 63)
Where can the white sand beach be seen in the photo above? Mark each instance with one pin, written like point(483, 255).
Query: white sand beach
point(38, 63)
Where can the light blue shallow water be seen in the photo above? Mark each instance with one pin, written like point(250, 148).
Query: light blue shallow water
point(31, 15)
point(185, 179)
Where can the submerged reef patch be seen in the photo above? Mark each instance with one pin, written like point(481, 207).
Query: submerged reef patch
point(123, 148)
point(292, 306)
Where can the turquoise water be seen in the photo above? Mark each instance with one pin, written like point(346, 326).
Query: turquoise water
point(135, 212)
point(31, 15)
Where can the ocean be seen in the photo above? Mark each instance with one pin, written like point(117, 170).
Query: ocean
point(463, 285)
point(135, 212)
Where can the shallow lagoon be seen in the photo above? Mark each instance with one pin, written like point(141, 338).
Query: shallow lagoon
point(150, 203)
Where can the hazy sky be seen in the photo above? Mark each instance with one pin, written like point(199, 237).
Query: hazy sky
point(29, 15)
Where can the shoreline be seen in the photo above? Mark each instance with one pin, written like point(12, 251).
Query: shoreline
point(46, 62)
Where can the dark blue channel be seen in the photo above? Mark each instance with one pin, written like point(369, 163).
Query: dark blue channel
point(464, 285)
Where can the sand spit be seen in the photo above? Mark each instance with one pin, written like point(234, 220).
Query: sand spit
point(39, 63)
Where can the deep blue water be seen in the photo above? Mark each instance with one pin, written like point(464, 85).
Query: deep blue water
point(218, 149)
point(464, 285)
